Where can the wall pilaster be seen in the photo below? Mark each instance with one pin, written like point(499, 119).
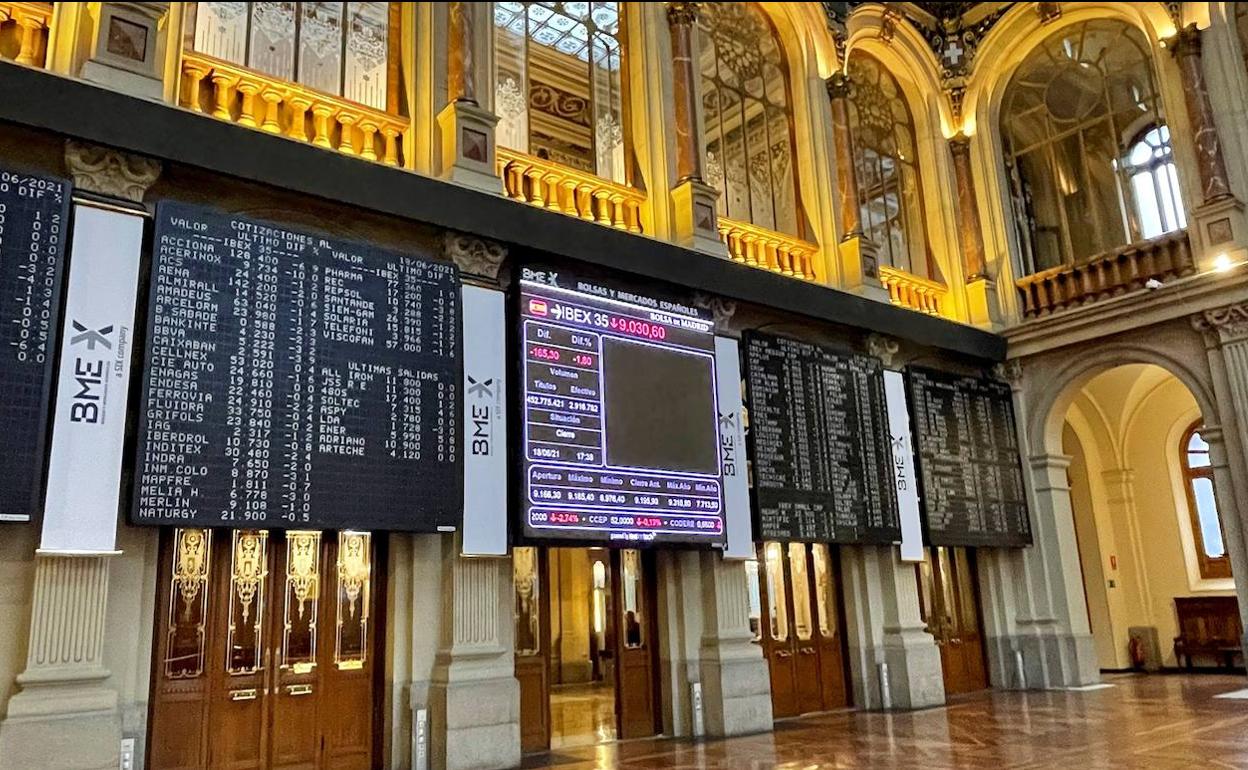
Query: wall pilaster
point(736, 683)
point(859, 257)
point(467, 128)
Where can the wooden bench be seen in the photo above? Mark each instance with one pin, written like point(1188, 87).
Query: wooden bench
point(1208, 625)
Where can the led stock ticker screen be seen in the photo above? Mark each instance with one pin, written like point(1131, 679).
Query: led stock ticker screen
point(621, 431)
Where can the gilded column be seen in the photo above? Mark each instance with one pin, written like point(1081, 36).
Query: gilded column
point(468, 149)
point(696, 224)
point(1214, 184)
point(846, 170)
point(970, 235)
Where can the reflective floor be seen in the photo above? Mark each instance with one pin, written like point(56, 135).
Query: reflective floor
point(1158, 722)
point(581, 714)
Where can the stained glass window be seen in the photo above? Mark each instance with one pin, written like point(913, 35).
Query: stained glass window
point(338, 48)
point(886, 157)
point(558, 88)
point(1203, 506)
point(747, 116)
point(1072, 119)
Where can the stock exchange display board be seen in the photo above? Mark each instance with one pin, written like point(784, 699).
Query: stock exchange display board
point(969, 466)
point(294, 380)
point(621, 428)
point(34, 214)
point(820, 448)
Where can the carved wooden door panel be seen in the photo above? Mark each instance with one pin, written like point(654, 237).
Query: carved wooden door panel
point(949, 603)
point(804, 651)
point(777, 630)
point(349, 661)
point(295, 618)
point(532, 646)
point(827, 595)
point(633, 586)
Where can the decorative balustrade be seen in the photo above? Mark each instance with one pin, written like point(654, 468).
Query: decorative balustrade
point(769, 250)
point(911, 291)
point(24, 32)
point(256, 100)
point(1106, 275)
point(575, 193)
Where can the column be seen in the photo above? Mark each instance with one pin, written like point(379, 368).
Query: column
point(1225, 331)
point(860, 264)
point(468, 150)
point(138, 71)
point(735, 679)
point(474, 698)
point(1218, 220)
point(696, 223)
point(982, 307)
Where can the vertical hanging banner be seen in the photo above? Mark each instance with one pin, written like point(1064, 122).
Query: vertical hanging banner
point(485, 423)
point(93, 383)
point(737, 523)
point(903, 466)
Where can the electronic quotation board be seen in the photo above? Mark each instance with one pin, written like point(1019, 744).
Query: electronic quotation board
point(621, 430)
point(34, 214)
point(820, 448)
point(970, 469)
point(294, 380)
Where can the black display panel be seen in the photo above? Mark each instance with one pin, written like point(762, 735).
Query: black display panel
point(819, 444)
point(294, 380)
point(970, 470)
point(34, 211)
point(620, 421)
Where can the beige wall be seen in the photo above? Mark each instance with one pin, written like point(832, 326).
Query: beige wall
point(17, 569)
point(1122, 432)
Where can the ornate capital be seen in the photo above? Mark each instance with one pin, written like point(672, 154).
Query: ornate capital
point(1186, 42)
point(960, 145)
point(721, 309)
point(108, 172)
point(838, 85)
point(1011, 371)
point(474, 256)
point(685, 14)
point(1227, 323)
point(883, 348)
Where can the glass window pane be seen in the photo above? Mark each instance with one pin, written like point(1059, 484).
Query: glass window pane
point(320, 46)
point(967, 611)
point(354, 570)
point(249, 568)
point(825, 590)
point(368, 54)
point(273, 39)
point(755, 598)
point(528, 601)
point(302, 600)
point(221, 30)
point(1178, 197)
point(188, 603)
point(632, 604)
point(799, 571)
point(1146, 207)
point(776, 592)
point(1207, 513)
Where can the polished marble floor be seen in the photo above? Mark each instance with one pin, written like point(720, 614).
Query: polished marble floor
point(581, 715)
point(1159, 722)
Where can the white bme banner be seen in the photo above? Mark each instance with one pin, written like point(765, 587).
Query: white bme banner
point(93, 383)
point(903, 466)
point(737, 519)
point(485, 423)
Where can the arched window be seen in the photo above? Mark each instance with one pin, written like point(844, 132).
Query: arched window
point(747, 117)
point(1073, 120)
point(885, 153)
point(341, 49)
point(1203, 506)
point(559, 93)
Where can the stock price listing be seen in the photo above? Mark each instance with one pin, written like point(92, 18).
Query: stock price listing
point(620, 423)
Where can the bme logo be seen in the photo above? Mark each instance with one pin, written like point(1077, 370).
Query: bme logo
point(728, 442)
point(479, 413)
point(89, 373)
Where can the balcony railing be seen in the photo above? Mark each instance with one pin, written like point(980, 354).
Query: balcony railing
point(1106, 275)
point(24, 32)
point(769, 250)
point(256, 100)
point(914, 292)
point(575, 193)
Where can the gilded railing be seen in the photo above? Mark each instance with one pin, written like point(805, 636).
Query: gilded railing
point(911, 291)
point(24, 32)
point(575, 193)
point(1104, 275)
point(768, 249)
point(256, 100)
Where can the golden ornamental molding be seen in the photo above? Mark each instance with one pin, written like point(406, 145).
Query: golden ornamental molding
point(109, 172)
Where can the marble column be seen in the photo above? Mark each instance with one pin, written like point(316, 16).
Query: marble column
point(860, 265)
point(695, 222)
point(467, 130)
point(1225, 332)
point(983, 308)
point(1214, 184)
point(736, 682)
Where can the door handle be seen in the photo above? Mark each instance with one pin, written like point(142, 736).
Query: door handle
point(807, 650)
point(298, 689)
point(248, 694)
point(783, 653)
point(955, 641)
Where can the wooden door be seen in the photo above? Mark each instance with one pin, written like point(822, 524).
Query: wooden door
point(949, 603)
point(264, 651)
point(777, 636)
point(633, 589)
point(827, 596)
point(532, 647)
point(804, 653)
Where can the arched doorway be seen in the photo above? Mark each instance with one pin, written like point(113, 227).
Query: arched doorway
point(1151, 546)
